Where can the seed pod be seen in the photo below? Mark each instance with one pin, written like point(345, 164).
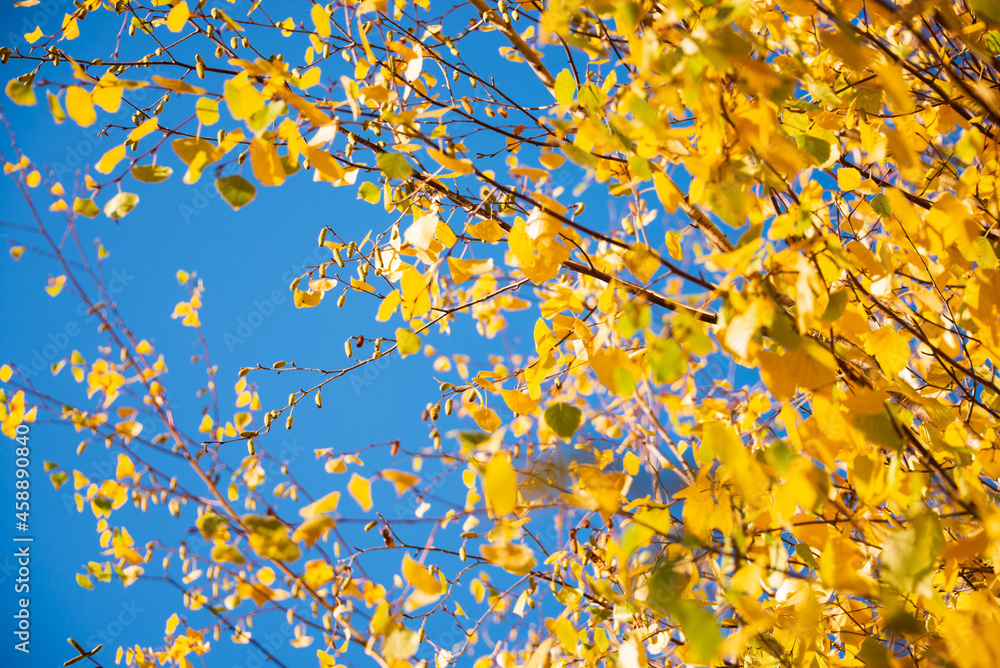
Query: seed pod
point(288, 422)
point(420, 635)
point(461, 553)
point(234, 42)
point(322, 271)
point(268, 419)
point(338, 258)
point(394, 448)
point(351, 247)
point(221, 135)
point(241, 158)
point(319, 400)
point(244, 371)
point(131, 30)
point(322, 236)
point(251, 449)
point(378, 345)
point(295, 283)
point(341, 300)
point(218, 52)
point(468, 534)
point(247, 434)
point(279, 364)
point(199, 68)
point(449, 406)
point(514, 14)
point(371, 525)
point(292, 398)
point(348, 350)
point(326, 50)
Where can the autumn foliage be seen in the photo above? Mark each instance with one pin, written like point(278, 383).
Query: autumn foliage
point(753, 419)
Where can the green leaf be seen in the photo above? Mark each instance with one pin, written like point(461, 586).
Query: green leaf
point(909, 556)
point(84, 581)
point(835, 307)
point(370, 193)
point(236, 190)
point(668, 361)
point(565, 88)
point(119, 205)
point(700, 629)
point(993, 42)
point(20, 93)
point(289, 166)
point(394, 165)
point(85, 207)
point(881, 206)
point(151, 173)
point(407, 342)
point(262, 119)
point(814, 146)
point(563, 419)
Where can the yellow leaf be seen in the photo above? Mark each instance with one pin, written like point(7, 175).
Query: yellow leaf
point(890, 349)
point(463, 270)
point(110, 159)
point(20, 93)
point(400, 479)
point(360, 490)
point(500, 485)
point(5, 373)
point(667, 192)
point(487, 420)
point(313, 530)
point(206, 425)
point(519, 402)
point(79, 106)
point(641, 262)
point(125, 467)
point(147, 126)
point(172, 623)
point(513, 558)
point(267, 166)
point(178, 16)
point(178, 86)
point(327, 504)
point(307, 299)
point(55, 285)
point(207, 110)
point(454, 164)
point(69, 26)
point(631, 463)
point(321, 20)
point(420, 577)
point(108, 93)
point(34, 35)
point(848, 178)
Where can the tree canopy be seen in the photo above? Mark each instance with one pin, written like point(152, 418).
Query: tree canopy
point(752, 419)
